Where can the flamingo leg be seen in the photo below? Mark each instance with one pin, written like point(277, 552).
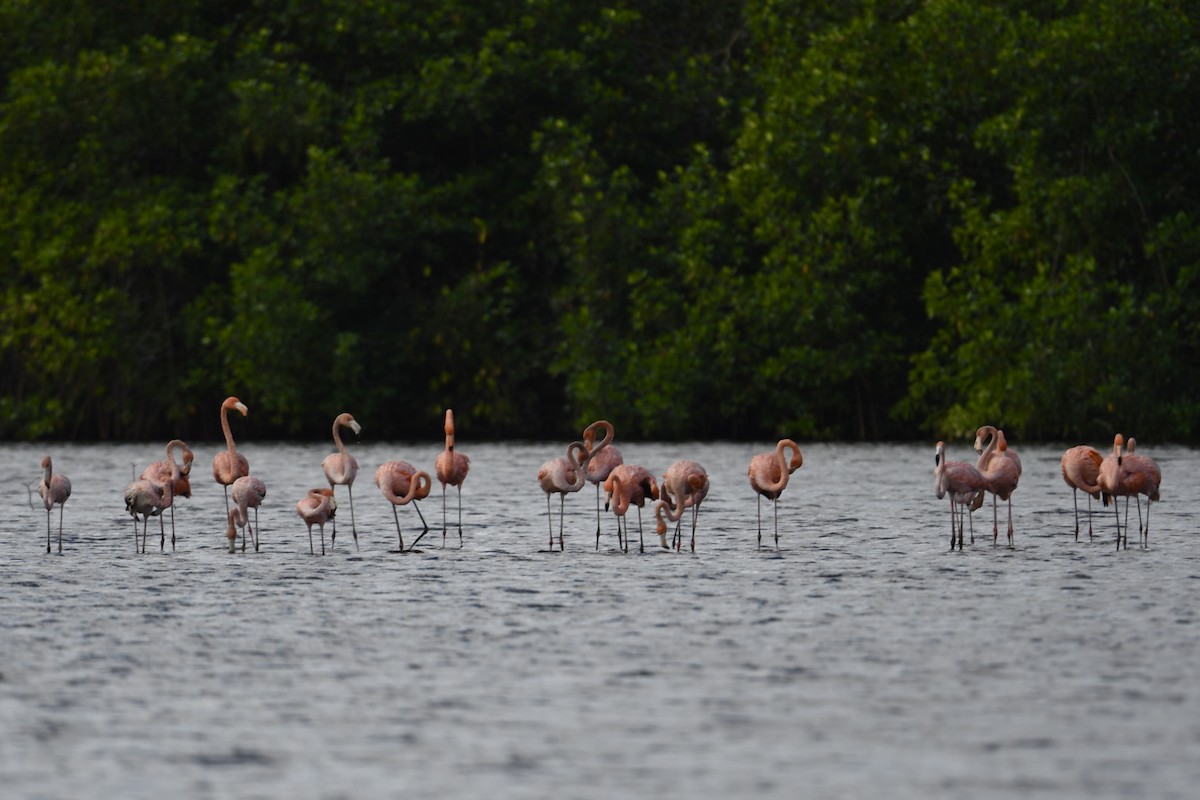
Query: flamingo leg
point(47, 530)
point(256, 531)
point(777, 524)
point(1149, 502)
point(695, 513)
point(1010, 525)
point(1089, 517)
point(952, 537)
point(1075, 499)
point(759, 515)
point(562, 501)
point(995, 521)
point(60, 516)
point(353, 530)
point(444, 516)
point(323, 538)
point(598, 519)
point(311, 551)
point(424, 524)
point(162, 532)
point(460, 541)
point(549, 523)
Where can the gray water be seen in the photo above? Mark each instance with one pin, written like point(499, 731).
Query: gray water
point(863, 659)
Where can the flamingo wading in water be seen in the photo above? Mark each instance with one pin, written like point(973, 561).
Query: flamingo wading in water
point(149, 499)
point(401, 483)
point(340, 469)
point(629, 484)
point(560, 476)
point(962, 481)
point(685, 485)
point(249, 492)
point(1001, 469)
point(769, 473)
point(603, 458)
point(316, 508)
point(451, 468)
point(229, 465)
point(1130, 475)
point(160, 472)
point(1081, 470)
point(53, 489)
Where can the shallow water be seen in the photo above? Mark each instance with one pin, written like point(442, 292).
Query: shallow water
point(863, 659)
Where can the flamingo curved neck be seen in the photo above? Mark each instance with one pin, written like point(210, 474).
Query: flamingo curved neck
point(228, 435)
point(784, 472)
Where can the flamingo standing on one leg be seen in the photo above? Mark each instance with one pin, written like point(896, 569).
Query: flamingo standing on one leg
point(401, 483)
point(229, 465)
point(629, 484)
point(451, 468)
point(559, 476)
point(769, 473)
point(237, 519)
point(962, 481)
point(341, 468)
point(249, 492)
point(53, 489)
point(603, 459)
point(316, 508)
point(1001, 468)
point(1081, 470)
point(160, 472)
point(147, 498)
point(684, 485)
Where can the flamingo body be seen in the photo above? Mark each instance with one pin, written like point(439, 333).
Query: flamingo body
point(451, 469)
point(631, 485)
point(316, 508)
point(341, 469)
point(769, 473)
point(229, 465)
point(249, 492)
point(560, 476)
point(54, 489)
point(1001, 469)
point(401, 483)
point(684, 485)
point(1081, 470)
point(963, 482)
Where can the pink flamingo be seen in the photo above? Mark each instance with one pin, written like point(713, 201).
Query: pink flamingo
point(684, 485)
point(627, 485)
point(451, 468)
point(559, 476)
point(1146, 476)
point(237, 519)
point(249, 492)
point(340, 469)
point(401, 483)
point(53, 489)
point(603, 459)
point(1130, 475)
point(769, 473)
point(147, 498)
point(962, 481)
point(160, 472)
point(317, 508)
point(230, 465)
point(1081, 470)
point(1001, 469)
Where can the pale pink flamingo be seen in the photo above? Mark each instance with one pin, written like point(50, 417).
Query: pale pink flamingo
point(160, 472)
point(53, 489)
point(559, 476)
point(229, 465)
point(769, 473)
point(684, 485)
point(603, 458)
point(249, 492)
point(147, 498)
point(340, 469)
point(317, 508)
point(962, 481)
point(237, 519)
point(1130, 475)
point(451, 468)
point(1081, 470)
point(1001, 469)
point(626, 485)
point(401, 483)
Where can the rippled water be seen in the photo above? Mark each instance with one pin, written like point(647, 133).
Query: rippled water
point(861, 660)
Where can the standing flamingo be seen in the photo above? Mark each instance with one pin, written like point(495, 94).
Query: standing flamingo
point(317, 508)
point(237, 519)
point(249, 492)
point(341, 468)
point(1001, 469)
point(1130, 475)
point(1146, 476)
point(559, 476)
point(962, 481)
point(451, 468)
point(401, 483)
point(53, 489)
point(1081, 470)
point(229, 465)
point(684, 485)
point(602, 460)
point(769, 473)
point(147, 498)
point(161, 471)
point(629, 484)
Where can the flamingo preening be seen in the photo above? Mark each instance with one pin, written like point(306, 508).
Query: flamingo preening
point(560, 476)
point(684, 485)
point(451, 468)
point(160, 472)
point(317, 508)
point(249, 492)
point(769, 473)
point(1130, 474)
point(340, 469)
point(401, 483)
point(149, 499)
point(1081, 470)
point(603, 458)
point(630, 484)
point(1001, 469)
point(53, 489)
point(962, 481)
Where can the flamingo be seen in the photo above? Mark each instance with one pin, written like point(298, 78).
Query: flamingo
point(1147, 476)
point(1130, 475)
point(341, 468)
point(603, 459)
point(53, 489)
point(451, 468)
point(147, 498)
point(559, 476)
point(317, 508)
point(962, 481)
point(249, 492)
point(237, 518)
point(401, 483)
point(685, 483)
point(1001, 468)
point(629, 484)
point(769, 473)
point(1081, 470)
point(159, 473)
point(229, 465)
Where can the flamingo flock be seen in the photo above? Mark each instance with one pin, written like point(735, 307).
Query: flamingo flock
point(594, 458)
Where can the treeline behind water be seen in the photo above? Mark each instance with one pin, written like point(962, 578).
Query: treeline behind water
point(697, 219)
